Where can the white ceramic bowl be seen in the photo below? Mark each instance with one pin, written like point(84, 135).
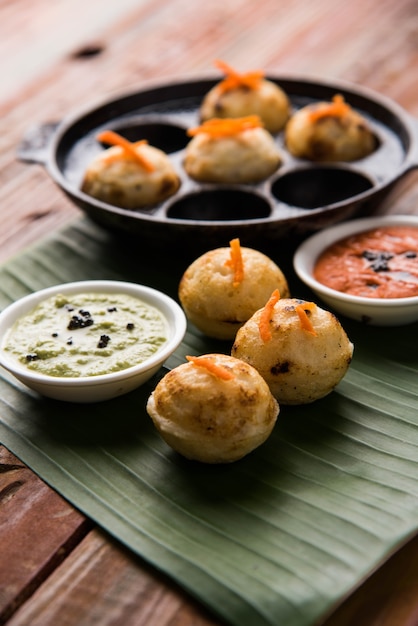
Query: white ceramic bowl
point(374, 311)
point(102, 387)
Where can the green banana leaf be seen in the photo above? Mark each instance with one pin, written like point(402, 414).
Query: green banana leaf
point(277, 538)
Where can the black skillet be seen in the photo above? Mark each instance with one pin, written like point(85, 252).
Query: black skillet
point(299, 198)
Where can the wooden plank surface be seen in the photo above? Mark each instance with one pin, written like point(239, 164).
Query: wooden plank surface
point(130, 593)
point(37, 531)
point(59, 57)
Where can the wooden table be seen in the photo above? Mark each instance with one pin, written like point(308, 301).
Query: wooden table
point(56, 567)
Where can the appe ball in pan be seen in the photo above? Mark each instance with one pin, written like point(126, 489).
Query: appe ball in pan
point(269, 102)
point(213, 409)
point(242, 94)
point(130, 175)
point(300, 349)
point(235, 151)
point(217, 300)
point(329, 131)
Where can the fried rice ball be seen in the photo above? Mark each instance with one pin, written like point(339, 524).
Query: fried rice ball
point(303, 357)
point(242, 152)
point(327, 131)
point(213, 415)
point(134, 179)
point(218, 305)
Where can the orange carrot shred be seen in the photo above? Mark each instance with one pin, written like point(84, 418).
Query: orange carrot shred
point(226, 127)
point(266, 314)
point(235, 262)
point(337, 108)
point(129, 148)
point(306, 323)
point(211, 366)
point(234, 80)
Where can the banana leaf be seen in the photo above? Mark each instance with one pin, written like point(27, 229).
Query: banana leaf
point(279, 537)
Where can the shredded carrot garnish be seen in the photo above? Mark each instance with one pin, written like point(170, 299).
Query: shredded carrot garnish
point(233, 79)
point(129, 148)
point(266, 315)
point(211, 366)
point(226, 127)
point(235, 262)
point(306, 323)
point(337, 108)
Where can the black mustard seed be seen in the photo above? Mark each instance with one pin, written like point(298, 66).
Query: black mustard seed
point(104, 340)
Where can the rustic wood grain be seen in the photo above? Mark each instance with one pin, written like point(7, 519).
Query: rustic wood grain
point(108, 586)
point(59, 57)
point(37, 531)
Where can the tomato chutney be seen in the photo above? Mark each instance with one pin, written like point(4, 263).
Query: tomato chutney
point(377, 263)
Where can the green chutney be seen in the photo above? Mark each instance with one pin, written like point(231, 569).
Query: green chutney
point(87, 334)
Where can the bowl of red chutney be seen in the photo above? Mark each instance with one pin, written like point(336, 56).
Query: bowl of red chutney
point(366, 269)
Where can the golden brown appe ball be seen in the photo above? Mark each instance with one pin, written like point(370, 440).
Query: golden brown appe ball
point(300, 349)
point(130, 175)
point(329, 131)
point(235, 151)
point(216, 301)
point(239, 95)
point(213, 409)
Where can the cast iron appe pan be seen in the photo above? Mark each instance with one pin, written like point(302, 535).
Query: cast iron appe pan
point(301, 197)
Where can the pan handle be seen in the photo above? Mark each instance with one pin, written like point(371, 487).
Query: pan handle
point(35, 145)
point(412, 160)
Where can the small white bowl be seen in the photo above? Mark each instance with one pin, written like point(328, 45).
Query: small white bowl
point(374, 311)
point(102, 387)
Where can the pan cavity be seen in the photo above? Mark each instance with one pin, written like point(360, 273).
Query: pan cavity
point(167, 137)
point(319, 187)
point(220, 205)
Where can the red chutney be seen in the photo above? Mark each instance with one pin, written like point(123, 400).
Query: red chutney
point(379, 263)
